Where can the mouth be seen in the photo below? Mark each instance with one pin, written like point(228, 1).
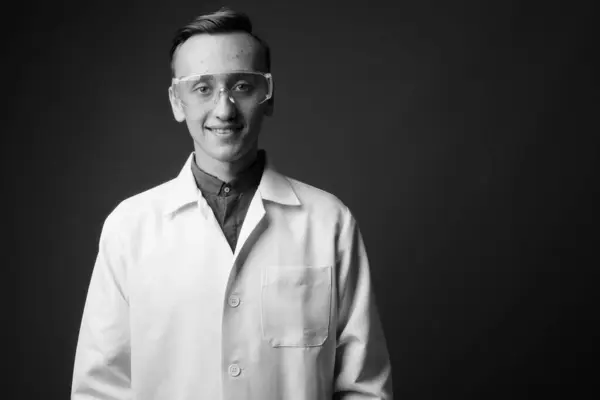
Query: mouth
point(229, 130)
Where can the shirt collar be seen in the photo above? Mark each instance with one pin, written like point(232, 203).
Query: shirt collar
point(273, 187)
point(248, 179)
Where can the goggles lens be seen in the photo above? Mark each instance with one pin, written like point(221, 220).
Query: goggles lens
point(244, 88)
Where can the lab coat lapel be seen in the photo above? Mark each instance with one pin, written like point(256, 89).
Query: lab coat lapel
point(256, 212)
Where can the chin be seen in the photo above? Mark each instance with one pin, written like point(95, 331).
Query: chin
point(229, 152)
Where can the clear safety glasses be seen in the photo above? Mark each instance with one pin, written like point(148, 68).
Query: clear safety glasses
point(242, 87)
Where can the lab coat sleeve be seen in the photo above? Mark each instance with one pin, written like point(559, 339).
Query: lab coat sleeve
point(362, 365)
point(102, 368)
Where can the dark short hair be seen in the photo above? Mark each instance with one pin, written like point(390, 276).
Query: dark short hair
point(225, 20)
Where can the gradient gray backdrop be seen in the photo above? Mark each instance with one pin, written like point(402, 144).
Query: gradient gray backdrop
point(459, 133)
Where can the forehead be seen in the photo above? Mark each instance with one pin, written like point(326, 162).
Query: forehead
point(205, 53)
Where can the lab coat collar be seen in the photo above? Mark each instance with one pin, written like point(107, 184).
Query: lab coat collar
point(273, 187)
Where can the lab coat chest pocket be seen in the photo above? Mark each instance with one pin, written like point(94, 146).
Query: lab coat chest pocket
point(295, 305)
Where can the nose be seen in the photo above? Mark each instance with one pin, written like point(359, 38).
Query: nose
point(225, 108)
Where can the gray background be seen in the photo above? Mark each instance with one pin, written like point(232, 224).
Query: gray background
point(459, 133)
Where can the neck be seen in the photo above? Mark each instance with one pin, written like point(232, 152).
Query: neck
point(225, 171)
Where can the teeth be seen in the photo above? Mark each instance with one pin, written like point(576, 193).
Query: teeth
point(223, 131)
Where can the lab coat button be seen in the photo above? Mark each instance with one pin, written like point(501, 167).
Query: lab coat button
point(234, 370)
point(234, 301)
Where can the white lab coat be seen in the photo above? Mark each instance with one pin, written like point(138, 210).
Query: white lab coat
point(173, 314)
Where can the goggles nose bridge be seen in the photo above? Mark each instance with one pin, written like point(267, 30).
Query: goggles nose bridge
point(220, 92)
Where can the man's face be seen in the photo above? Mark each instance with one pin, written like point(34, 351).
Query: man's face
point(219, 53)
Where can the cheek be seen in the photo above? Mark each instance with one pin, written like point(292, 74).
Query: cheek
point(254, 116)
point(195, 125)
point(195, 119)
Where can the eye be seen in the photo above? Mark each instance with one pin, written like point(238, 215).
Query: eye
point(201, 89)
point(242, 87)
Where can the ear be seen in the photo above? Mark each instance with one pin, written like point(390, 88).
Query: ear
point(176, 106)
point(270, 107)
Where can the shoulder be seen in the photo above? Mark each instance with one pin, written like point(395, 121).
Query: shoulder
point(139, 208)
point(327, 211)
point(320, 202)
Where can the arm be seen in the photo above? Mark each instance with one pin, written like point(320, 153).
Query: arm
point(362, 366)
point(102, 360)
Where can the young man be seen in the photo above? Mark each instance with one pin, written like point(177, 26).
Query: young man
point(230, 281)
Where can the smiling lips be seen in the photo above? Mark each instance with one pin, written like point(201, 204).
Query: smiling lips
point(225, 129)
